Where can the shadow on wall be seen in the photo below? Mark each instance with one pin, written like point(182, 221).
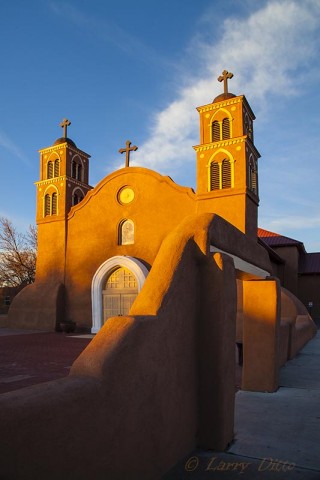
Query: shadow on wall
point(149, 387)
point(297, 326)
point(51, 298)
point(152, 386)
point(272, 325)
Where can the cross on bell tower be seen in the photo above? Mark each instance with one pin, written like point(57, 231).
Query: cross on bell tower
point(224, 78)
point(65, 124)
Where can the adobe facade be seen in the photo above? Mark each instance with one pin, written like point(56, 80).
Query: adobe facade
point(96, 246)
point(86, 234)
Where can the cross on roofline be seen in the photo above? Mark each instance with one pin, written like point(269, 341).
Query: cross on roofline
point(127, 151)
point(65, 124)
point(224, 78)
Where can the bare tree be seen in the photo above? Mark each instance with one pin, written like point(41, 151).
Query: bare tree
point(18, 253)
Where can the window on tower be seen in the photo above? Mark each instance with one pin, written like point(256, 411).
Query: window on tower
point(220, 129)
point(56, 168)
point(47, 205)
point(248, 128)
point(226, 174)
point(215, 131)
point(77, 197)
point(253, 175)
point(73, 169)
point(50, 169)
point(221, 174)
point(53, 168)
point(77, 170)
point(225, 128)
point(50, 204)
point(214, 176)
point(54, 203)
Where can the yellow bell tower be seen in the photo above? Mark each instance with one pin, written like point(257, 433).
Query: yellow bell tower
point(64, 182)
point(64, 177)
point(227, 160)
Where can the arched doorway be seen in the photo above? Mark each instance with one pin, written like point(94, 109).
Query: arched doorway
point(115, 286)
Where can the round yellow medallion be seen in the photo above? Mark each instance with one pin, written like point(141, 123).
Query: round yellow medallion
point(126, 195)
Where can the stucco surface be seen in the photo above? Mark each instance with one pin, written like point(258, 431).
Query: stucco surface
point(71, 250)
point(149, 387)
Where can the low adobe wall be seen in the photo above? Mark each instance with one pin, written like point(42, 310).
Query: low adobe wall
point(301, 326)
point(39, 306)
point(276, 325)
point(261, 327)
point(149, 387)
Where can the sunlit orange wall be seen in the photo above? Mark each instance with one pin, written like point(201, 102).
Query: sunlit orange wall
point(158, 206)
point(73, 245)
point(72, 251)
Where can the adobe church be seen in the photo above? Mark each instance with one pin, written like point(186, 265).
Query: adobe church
point(169, 280)
point(97, 245)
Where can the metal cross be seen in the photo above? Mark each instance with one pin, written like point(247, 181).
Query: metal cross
point(127, 150)
point(65, 124)
point(224, 77)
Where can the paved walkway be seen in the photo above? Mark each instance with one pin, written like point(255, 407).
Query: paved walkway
point(28, 357)
point(277, 435)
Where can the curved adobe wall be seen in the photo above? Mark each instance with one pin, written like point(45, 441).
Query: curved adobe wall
point(50, 299)
point(144, 393)
point(296, 320)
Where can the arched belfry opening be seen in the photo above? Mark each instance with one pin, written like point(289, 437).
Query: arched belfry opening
point(115, 287)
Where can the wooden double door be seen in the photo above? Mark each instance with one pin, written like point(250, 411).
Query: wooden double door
point(119, 294)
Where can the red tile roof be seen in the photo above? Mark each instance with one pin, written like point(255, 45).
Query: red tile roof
point(275, 240)
point(309, 263)
point(272, 253)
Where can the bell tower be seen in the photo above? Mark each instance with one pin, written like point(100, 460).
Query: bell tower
point(227, 160)
point(64, 177)
point(64, 182)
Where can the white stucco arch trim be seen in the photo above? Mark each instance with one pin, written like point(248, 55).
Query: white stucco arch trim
point(133, 264)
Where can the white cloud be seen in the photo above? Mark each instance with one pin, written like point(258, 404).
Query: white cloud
point(267, 52)
point(291, 222)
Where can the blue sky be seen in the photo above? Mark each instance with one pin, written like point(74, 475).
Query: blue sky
point(138, 69)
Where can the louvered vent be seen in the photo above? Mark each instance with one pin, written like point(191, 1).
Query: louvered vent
point(50, 170)
point(225, 128)
point(214, 176)
point(56, 168)
point(215, 131)
point(226, 174)
point(47, 204)
point(54, 204)
point(254, 184)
